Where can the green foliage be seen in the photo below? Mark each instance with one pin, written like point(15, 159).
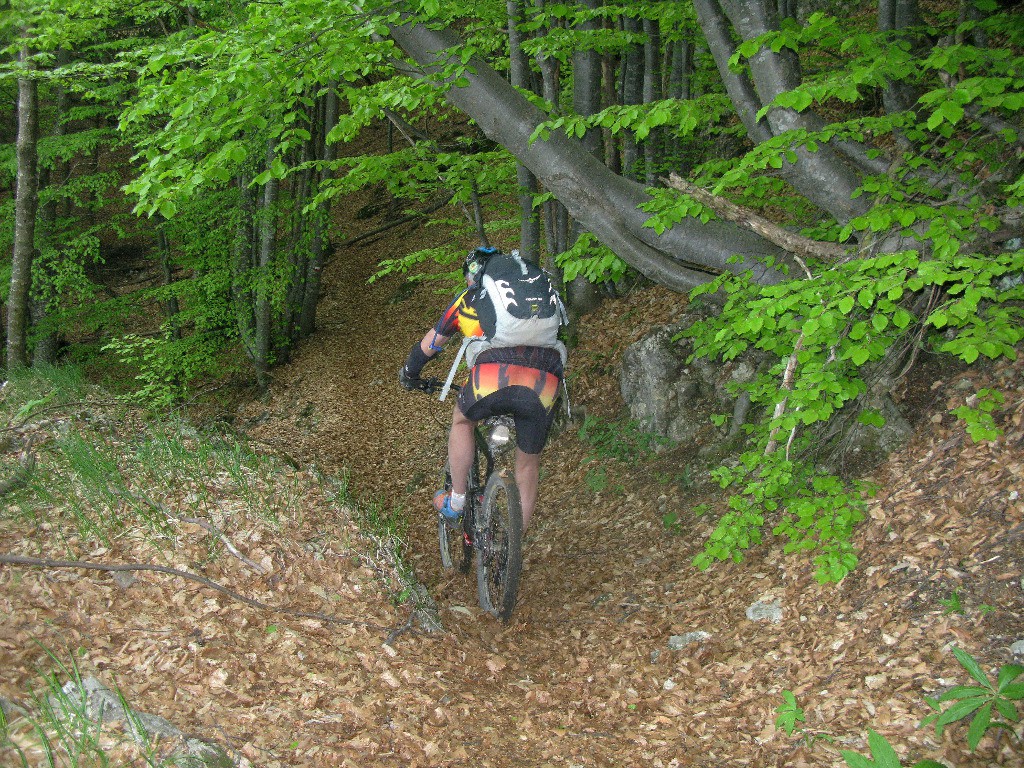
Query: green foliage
point(882, 756)
point(610, 441)
point(790, 713)
point(589, 259)
point(790, 717)
point(622, 441)
point(167, 366)
point(977, 414)
point(952, 604)
point(596, 479)
point(981, 702)
point(827, 331)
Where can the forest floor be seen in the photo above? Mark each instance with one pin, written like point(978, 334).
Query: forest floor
point(584, 674)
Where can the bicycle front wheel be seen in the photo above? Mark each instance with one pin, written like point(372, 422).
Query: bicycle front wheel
point(499, 546)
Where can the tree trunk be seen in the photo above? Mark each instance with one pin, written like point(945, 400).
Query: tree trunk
point(822, 176)
point(632, 94)
point(652, 92)
point(605, 204)
point(519, 72)
point(170, 305)
point(741, 91)
point(319, 244)
point(25, 206)
point(242, 267)
point(46, 342)
point(582, 295)
point(267, 239)
point(894, 16)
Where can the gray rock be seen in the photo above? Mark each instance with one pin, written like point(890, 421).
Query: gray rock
point(762, 611)
point(1017, 649)
point(678, 642)
point(93, 700)
point(650, 381)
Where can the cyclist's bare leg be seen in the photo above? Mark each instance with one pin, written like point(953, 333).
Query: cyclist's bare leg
point(460, 450)
point(527, 478)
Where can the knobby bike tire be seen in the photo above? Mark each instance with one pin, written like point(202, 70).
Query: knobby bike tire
point(499, 546)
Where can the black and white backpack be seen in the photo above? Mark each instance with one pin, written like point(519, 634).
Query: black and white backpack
point(516, 306)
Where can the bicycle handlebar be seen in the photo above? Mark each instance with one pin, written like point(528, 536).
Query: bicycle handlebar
point(433, 386)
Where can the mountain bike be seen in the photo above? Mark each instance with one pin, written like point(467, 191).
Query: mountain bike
point(491, 527)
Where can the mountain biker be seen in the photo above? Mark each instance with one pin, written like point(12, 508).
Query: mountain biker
point(520, 381)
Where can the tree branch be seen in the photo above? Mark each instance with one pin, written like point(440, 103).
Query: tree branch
point(47, 563)
point(756, 223)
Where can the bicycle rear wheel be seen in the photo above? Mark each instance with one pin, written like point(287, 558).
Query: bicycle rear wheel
point(499, 546)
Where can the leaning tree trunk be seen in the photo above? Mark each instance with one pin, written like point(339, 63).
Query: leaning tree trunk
point(605, 204)
point(26, 202)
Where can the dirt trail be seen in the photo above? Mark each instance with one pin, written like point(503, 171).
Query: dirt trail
point(588, 673)
point(584, 675)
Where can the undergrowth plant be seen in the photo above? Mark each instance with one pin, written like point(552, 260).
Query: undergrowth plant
point(95, 481)
point(625, 441)
point(989, 705)
point(828, 334)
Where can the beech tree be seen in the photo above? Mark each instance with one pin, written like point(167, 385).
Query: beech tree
point(26, 203)
point(847, 186)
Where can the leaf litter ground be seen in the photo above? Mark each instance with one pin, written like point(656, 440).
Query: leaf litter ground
point(584, 674)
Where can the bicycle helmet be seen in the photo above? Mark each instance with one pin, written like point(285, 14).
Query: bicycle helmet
point(475, 262)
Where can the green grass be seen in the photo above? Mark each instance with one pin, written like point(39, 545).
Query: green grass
point(104, 468)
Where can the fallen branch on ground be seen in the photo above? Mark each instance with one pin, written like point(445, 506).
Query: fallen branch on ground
point(204, 524)
point(36, 562)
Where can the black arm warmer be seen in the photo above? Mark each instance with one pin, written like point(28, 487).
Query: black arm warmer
point(415, 362)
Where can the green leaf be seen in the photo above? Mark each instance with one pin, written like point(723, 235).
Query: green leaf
point(1006, 709)
point(1007, 674)
point(961, 691)
point(1013, 691)
point(882, 752)
point(959, 711)
point(979, 725)
point(973, 668)
point(855, 760)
